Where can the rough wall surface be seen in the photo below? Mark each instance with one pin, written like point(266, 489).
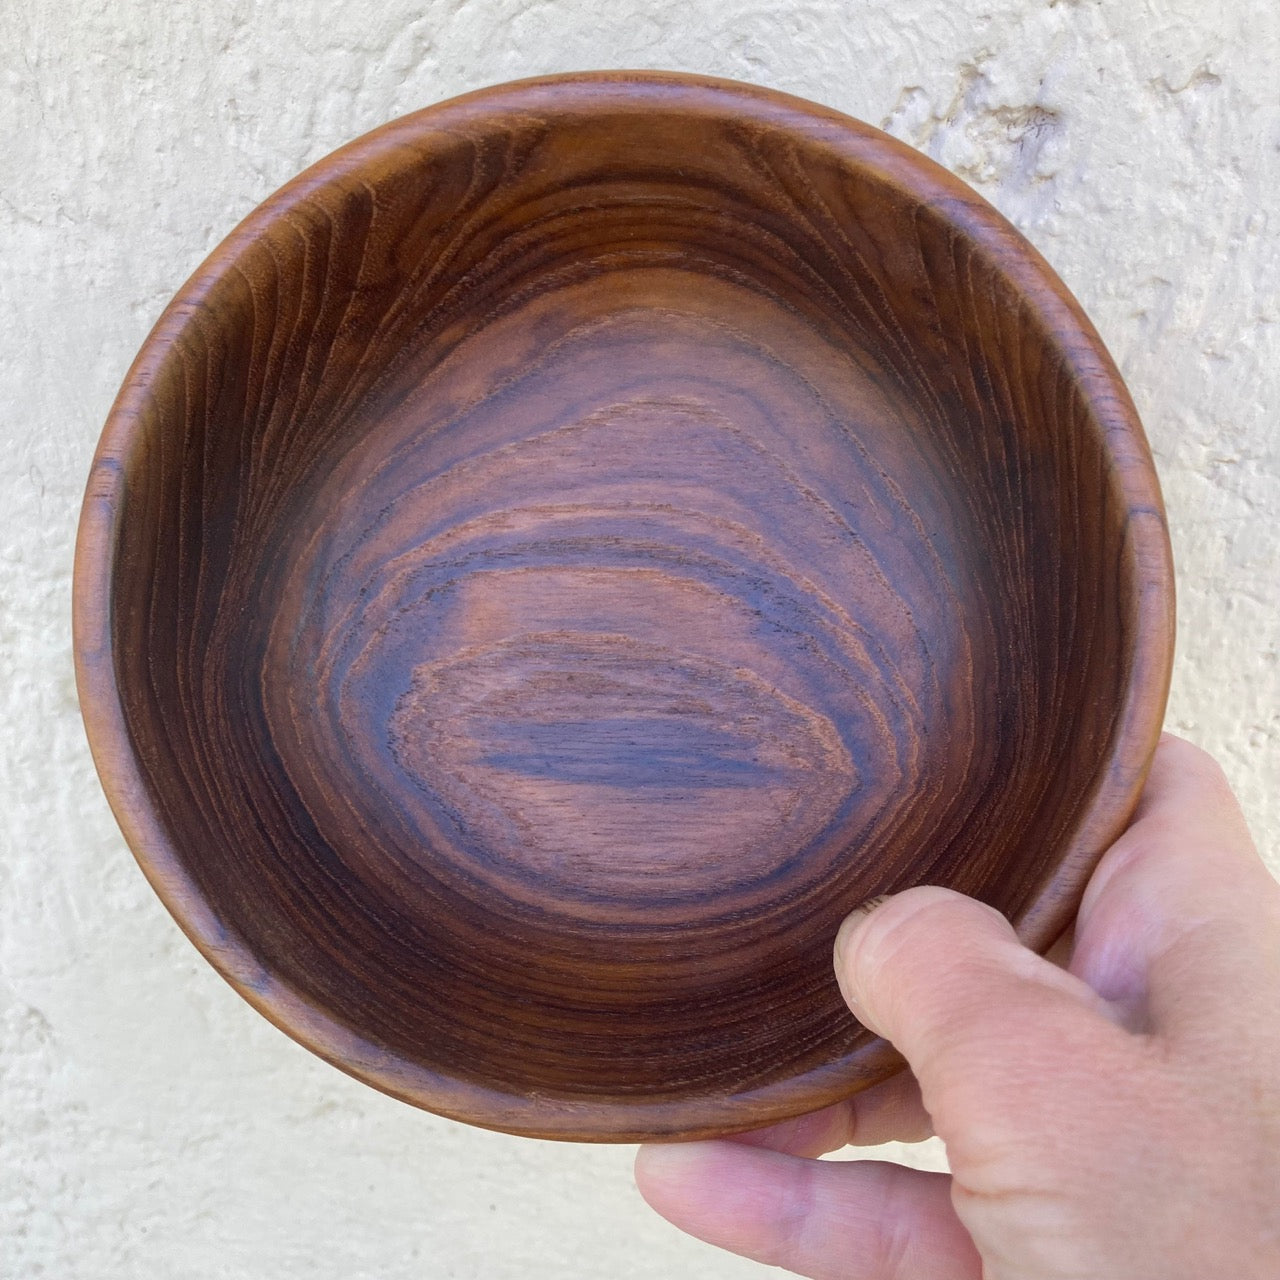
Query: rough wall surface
point(152, 1127)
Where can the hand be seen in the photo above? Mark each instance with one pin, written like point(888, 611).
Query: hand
point(1117, 1119)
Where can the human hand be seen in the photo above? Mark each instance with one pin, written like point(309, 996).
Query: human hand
point(1117, 1119)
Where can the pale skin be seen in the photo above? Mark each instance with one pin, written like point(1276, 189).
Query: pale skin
point(1116, 1119)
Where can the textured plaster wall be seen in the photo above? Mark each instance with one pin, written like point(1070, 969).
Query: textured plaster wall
point(152, 1127)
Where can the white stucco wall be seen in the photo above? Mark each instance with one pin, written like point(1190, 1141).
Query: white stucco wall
point(152, 1127)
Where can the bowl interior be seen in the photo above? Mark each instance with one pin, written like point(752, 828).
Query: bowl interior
point(574, 546)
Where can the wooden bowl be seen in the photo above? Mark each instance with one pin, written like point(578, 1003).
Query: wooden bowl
point(566, 549)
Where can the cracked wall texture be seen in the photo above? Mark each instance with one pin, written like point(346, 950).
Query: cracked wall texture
point(152, 1127)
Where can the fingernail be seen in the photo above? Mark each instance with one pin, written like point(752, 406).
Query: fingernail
point(854, 921)
point(844, 939)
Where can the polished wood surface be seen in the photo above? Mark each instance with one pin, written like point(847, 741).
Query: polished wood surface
point(568, 548)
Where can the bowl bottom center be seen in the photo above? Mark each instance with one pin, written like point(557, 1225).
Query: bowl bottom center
point(637, 599)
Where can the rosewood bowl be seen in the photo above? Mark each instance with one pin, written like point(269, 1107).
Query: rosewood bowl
point(570, 546)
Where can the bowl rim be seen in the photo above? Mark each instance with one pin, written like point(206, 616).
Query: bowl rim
point(1104, 816)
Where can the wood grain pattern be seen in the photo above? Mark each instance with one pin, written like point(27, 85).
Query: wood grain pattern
point(569, 547)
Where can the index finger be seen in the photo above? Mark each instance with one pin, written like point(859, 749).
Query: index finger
point(1182, 910)
point(891, 1111)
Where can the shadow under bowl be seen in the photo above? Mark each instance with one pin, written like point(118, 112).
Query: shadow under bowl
point(569, 547)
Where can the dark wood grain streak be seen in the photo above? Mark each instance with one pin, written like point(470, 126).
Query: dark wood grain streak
point(569, 547)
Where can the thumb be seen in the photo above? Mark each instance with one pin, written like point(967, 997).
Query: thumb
point(980, 1018)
